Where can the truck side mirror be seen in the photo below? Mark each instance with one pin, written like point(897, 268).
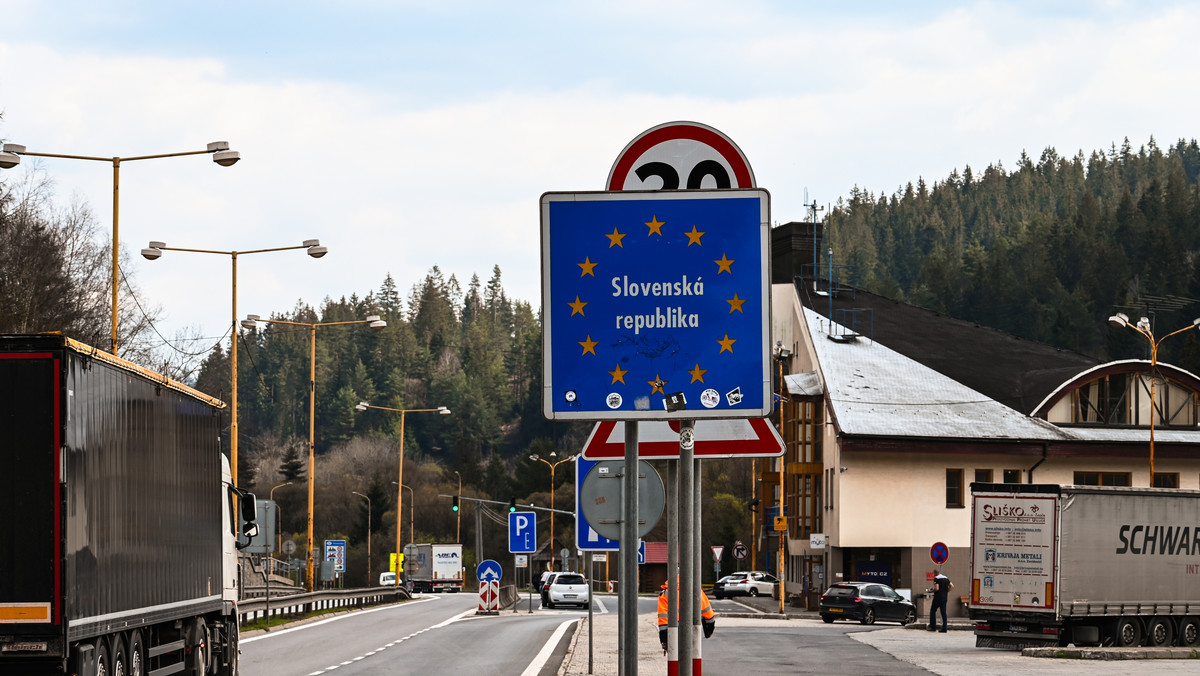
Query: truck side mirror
point(248, 510)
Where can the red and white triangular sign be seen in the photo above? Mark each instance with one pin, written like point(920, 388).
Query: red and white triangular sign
point(658, 440)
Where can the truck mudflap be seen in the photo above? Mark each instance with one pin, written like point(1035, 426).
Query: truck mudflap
point(1015, 635)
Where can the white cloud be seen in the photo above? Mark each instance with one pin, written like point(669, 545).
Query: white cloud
point(393, 186)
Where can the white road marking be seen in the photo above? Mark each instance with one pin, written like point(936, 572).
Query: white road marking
point(544, 654)
point(456, 618)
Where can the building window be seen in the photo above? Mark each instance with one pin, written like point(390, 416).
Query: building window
point(1165, 480)
point(983, 476)
point(1012, 476)
point(954, 488)
point(1102, 479)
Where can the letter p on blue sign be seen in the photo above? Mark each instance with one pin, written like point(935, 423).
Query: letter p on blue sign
point(522, 532)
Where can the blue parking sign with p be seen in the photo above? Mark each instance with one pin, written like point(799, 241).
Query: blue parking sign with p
point(522, 532)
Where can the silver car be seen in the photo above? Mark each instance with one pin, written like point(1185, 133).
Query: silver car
point(569, 589)
point(756, 583)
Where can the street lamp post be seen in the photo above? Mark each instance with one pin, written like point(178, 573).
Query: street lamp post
point(154, 251)
point(222, 155)
point(279, 517)
point(362, 406)
point(1143, 327)
point(368, 534)
point(552, 465)
point(251, 322)
point(458, 526)
point(412, 514)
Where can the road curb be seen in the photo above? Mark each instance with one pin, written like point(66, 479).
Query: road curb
point(1113, 654)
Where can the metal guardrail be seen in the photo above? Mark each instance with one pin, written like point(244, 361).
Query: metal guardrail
point(300, 605)
point(256, 607)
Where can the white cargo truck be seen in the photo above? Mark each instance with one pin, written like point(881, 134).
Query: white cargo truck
point(1089, 565)
point(434, 567)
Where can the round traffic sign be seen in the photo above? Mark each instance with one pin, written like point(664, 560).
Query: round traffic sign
point(679, 155)
point(939, 552)
point(600, 498)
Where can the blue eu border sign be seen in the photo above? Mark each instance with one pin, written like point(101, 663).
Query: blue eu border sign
point(656, 304)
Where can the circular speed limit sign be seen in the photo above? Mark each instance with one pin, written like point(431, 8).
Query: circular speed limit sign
point(680, 155)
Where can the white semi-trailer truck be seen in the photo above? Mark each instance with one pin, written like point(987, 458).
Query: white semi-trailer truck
point(1088, 565)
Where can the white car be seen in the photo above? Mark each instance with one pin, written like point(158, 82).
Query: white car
point(387, 579)
point(569, 589)
point(756, 583)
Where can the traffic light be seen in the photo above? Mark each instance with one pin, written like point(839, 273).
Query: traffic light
point(512, 504)
point(454, 507)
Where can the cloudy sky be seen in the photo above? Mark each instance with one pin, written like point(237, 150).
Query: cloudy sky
point(405, 135)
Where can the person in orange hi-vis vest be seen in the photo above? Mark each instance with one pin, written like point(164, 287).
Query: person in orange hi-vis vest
point(707, 617)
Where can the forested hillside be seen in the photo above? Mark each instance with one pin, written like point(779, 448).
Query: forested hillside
point(471, 350)
point(1046, 251)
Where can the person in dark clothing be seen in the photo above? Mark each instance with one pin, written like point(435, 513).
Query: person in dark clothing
point(941, 592)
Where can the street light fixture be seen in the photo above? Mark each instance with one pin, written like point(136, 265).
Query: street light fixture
point(362, 406)
point(369, 578)
point(222, 155)
point(552, 465)
point(251, 322)
point(1143, 327)
point(154, 251)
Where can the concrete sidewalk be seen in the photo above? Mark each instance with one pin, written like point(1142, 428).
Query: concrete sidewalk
point(605, 659)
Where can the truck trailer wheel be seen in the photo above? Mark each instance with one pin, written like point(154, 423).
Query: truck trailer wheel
point(1189, 631)
point(198, 656)
point(117, 655)
point(136, 653)
point(1128, 632)
point(1161, 632)
point(103, 666)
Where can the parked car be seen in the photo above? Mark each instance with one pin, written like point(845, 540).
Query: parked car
point(569, 588)
point(755, 583)
point(544, 590)
point(865, 602)
point(718, 588)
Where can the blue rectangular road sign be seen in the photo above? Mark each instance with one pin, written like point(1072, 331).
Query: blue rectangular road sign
point(522, 532)
point(656, 305)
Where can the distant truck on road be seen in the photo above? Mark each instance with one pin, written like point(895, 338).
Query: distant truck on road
point(119, 523)
point(1053, 565)
point(433, 567)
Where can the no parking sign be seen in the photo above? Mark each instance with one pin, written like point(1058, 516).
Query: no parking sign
point(939, 552)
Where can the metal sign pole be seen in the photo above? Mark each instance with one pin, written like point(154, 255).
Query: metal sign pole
point(672, 567)
point(687, 554)
point(697, 632)
point(629, 550)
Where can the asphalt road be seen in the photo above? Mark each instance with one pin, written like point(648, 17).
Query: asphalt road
point(423, 636)
point(441, 634)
